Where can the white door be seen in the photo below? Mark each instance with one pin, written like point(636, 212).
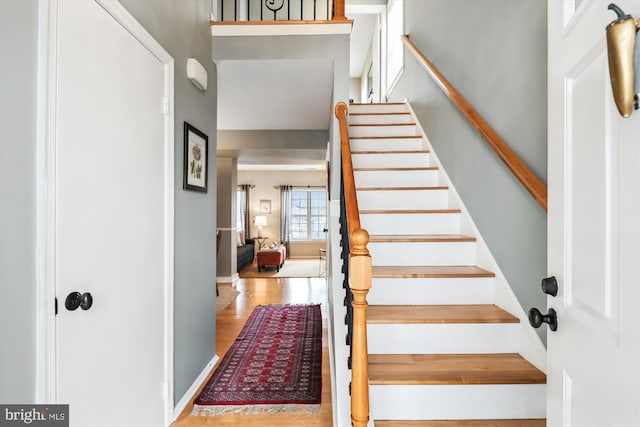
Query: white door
point(113, 224)
point(593, 226)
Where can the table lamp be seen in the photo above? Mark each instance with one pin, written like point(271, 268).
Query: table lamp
point(260, 221)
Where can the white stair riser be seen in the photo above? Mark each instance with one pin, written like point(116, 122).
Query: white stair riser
point(378, 131)
point(403, 199)
point(391, 160)
point(378, 108)
point(440, 223)
point(431, 291)
point(386, 144)
point(445, 402)
point(396, 178)
point(442, 338)
point(381, 119)
point(422, 253)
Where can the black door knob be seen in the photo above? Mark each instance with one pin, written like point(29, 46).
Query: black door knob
point(550, 286)
point(536, 319)
point(86, 301)
point(72, 301)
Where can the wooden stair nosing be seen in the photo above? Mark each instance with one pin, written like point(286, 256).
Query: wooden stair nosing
point(410, 211)
point(417, 238)
point(379, 124)
point(435, 187)
point(391, 152)
point(438, 314)
point(398, 169)
point(394, 113)
point(452, 369)
point(429, 272)
point(378, 103)
point(525, 422)
point(387, 137)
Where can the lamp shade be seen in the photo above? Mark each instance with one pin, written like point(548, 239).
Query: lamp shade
point(261, 220)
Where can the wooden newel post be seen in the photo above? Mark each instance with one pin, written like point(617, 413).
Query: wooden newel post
point(360, 271)
point(338, 10)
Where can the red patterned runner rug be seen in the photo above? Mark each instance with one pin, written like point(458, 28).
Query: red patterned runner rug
point(275, 365)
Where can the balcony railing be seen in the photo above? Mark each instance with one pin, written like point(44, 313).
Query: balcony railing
point(281, 10)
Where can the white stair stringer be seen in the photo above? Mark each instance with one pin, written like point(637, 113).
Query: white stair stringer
point(403, 213)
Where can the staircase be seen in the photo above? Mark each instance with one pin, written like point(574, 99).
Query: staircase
point(441, 352)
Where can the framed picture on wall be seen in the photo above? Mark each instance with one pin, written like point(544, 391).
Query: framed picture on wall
point(265, 206)
point(196, 168)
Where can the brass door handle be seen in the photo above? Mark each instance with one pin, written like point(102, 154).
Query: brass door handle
point(621, 43)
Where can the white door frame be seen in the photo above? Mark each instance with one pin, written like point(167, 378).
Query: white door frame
point(46, 381)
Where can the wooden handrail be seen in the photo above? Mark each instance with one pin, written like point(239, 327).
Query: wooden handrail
point(359, 281)
point(529, 180)
point(353, 214)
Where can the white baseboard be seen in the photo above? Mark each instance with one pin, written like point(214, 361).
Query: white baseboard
point(190, 393)
point(228, 279)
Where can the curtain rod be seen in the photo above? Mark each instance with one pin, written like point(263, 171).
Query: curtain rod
point(300, 186)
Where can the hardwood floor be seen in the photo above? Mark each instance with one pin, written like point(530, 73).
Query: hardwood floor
point(230, 321)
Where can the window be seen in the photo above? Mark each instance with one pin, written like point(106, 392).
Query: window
point(395, 47)
point(308, 214)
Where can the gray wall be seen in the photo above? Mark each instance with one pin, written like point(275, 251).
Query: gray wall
point(182, 28)
point(18, 104)
point(494, 53)
point(333, 47)
point(227, 214)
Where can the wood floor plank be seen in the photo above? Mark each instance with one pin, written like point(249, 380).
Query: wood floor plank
point(438, 314)
point(452, 369)
point(429, 271)
point(464, 423)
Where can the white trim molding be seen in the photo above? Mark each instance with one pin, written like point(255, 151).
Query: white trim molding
point(191, 391)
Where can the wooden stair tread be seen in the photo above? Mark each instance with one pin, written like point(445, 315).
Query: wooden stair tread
point(377, 103)
point(395, 238)
point(391, 152)
point(394, 113)
point(540, 422)
point(437, 187)
point(428, 168)
point(438, 314)
point(382, 124)
point(433, 272)
point(452, 369)
point(409, 211)
point(387, 137)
